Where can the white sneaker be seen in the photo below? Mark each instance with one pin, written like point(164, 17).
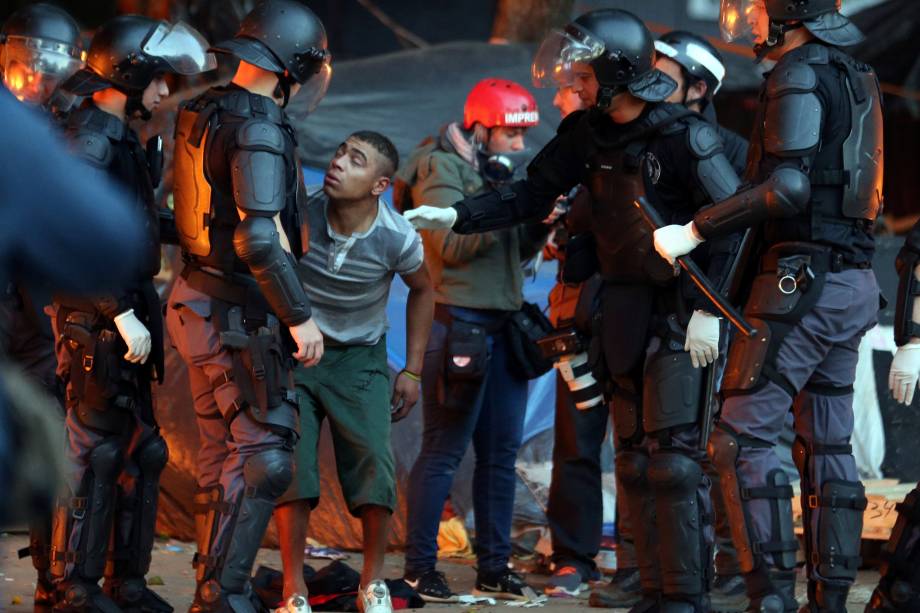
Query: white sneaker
point(295, 604)
point(375, 598)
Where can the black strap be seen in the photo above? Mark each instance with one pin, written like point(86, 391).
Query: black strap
point(201, 124)
point(830, 177)
point(775, 546)
point(771, 374)
point(835, 502)
point(829, 449)
point(208, 562)
point(822, 389)
point(782, 492)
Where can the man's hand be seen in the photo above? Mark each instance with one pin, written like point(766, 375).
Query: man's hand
point(560, 209)
point(309, 343)
point(671, 242)
point(905, 369)
point(431, 217)
point(405, 395)
point(136, 337)
point(702, 339)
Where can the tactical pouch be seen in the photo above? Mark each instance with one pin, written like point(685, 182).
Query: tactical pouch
point(526, 329)
point(466, 363)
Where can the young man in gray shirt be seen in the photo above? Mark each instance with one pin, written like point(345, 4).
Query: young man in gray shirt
point(357, 245)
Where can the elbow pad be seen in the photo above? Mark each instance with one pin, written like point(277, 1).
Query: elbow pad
point(257, 243)
point(785, 194)
point(496, 209)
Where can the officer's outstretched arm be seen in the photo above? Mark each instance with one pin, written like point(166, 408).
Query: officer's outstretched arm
point(905, 367)
point(259, 180)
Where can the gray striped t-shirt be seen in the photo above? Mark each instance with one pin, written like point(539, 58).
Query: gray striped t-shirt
point(347, 278)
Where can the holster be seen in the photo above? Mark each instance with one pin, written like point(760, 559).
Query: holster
point(262, 368)
point(789, 285)
point(104, 390)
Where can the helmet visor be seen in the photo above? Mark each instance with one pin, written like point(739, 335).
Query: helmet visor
point(181, 47)
point(738, 19)
point(560, 51)
point(33, 67)
point(314, 89)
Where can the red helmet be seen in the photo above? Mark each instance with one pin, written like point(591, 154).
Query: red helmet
point(500, 102)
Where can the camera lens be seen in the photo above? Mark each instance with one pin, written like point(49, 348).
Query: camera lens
point(575, 371)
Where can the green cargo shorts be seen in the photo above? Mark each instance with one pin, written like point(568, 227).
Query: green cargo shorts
point(351, 387)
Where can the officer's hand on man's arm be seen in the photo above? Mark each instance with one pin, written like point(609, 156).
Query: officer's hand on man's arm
point(671, 242)
point(432, 217)
point(309, 343)
point(702, 339)
point(136, 337)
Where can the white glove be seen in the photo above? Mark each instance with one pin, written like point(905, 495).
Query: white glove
point(905, 368)
point(671, 242)
point(136, 337)
point(432, 217)
point(702, 339)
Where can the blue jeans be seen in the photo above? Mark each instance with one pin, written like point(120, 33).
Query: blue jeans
point(494, 422)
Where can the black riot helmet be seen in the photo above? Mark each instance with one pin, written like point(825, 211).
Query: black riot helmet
point(130, 51)
point(286, 38)
point(39, 48)
point(616, 44)
point(821, 17)
point(696, 56)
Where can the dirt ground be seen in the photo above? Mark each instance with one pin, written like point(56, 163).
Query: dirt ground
point(172, 565)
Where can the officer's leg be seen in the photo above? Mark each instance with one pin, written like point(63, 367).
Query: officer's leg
point(83, 518)
point(671, 401)
point(135, 523)
point(631, 466)
point(833, 499)
point(758, 495)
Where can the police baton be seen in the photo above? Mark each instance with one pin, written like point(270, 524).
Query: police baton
point(654, 221)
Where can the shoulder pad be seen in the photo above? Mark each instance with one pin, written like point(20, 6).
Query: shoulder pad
point(665, 111)
point(570, 121)
point(260, 135)
point(791, 78)
point(93, 148)
point(703, 139)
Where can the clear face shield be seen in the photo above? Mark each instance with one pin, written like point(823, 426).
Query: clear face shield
point(33, 67)
point(744, 20)
point(313, 90)
point(181, 47)
point(553, 65)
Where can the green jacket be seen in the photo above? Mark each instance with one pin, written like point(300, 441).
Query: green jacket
point(481, 271)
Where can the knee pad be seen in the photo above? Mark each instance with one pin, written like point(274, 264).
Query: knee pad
point(673, 471)
point(153, 456)
point(632, 468)
point(269, 473)
point(106, 460)
point(840, 506)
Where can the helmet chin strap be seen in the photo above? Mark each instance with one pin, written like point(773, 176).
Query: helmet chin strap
point(283, 89)
point(134, 107)
point(776, 38)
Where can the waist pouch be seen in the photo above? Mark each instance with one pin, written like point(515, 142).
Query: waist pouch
point(104, 390)
point(526, 329)
point(466, 361)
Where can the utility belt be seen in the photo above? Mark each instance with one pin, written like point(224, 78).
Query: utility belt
point(789, 285)
point(104, 390)
point(259, 348)
point(231, 288)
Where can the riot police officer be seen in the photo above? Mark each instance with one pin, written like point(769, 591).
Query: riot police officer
point(898, 588)
point(239, 303)
point(110, 346)
point(39, 47)
point(816, 166)
point(631, 146)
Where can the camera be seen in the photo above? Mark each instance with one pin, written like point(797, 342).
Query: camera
point(570, 357)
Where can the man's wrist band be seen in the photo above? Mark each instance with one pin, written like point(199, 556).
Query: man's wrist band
point(411, 375)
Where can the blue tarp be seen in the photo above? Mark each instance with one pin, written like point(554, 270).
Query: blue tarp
point(542, 393)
